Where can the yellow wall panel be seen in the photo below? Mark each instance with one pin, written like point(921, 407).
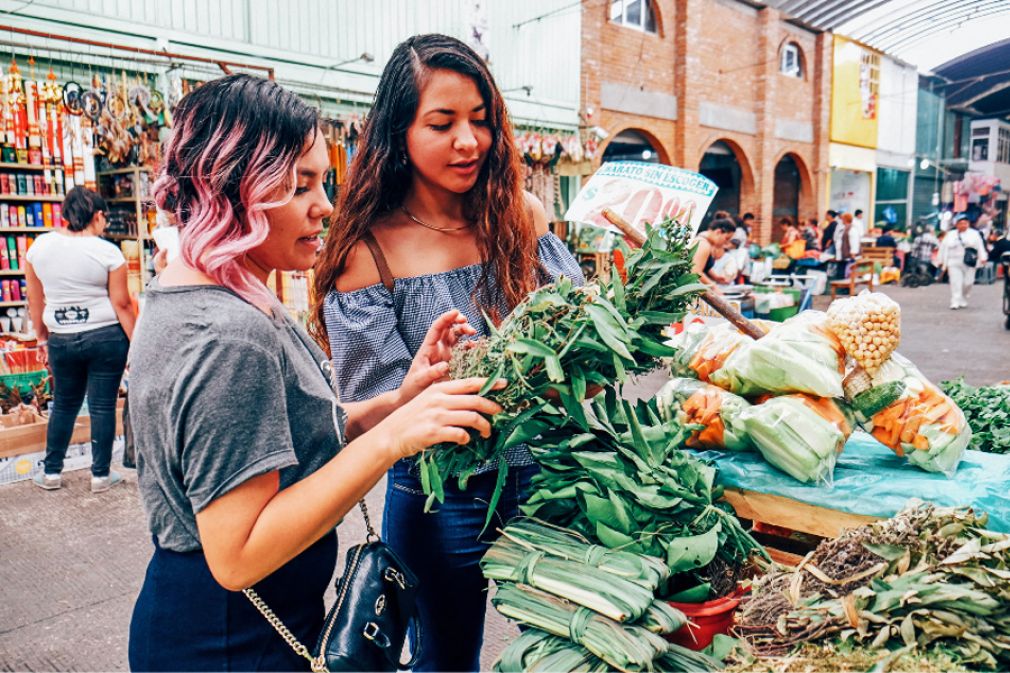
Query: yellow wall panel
point(855, 93)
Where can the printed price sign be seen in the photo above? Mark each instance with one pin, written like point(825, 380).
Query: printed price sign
point(643, 192)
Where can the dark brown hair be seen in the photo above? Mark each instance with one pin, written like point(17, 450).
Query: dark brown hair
point(379, 178)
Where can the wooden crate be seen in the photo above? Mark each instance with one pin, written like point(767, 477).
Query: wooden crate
point(16, 440)
point(799, 516)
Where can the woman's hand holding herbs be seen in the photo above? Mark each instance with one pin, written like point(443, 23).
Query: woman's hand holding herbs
point(431, 363)
point(441, 413)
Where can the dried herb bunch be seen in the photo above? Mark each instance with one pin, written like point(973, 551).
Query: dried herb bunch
point(565, 338)
point(927, 578)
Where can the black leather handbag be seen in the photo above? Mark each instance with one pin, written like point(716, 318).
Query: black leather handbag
point(367, 625)
point(970, 254)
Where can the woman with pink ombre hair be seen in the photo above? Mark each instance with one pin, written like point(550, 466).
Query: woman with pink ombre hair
point(246, 460)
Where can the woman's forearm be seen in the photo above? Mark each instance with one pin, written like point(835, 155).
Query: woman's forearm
point(127, 320)
point(363, 416)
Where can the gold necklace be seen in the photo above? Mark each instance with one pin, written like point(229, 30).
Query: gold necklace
point(431, 226)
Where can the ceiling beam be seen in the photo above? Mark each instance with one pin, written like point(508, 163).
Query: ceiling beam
point(933, 27)
point(900, 23)
point(844, 11)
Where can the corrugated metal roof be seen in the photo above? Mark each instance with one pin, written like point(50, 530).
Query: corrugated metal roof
point(890, 25)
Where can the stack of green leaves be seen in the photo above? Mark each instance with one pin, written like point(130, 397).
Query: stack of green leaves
point(617, 476)
point(625, 647)
point(558, 583)
point(987, 409)
point(537, 651)
point(578, 582)
point(564, 339)
point(927, 578)
point(534, 535)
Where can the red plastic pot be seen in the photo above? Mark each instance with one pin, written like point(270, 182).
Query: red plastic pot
point(705, 620)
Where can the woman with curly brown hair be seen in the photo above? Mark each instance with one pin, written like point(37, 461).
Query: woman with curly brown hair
point(432, 218)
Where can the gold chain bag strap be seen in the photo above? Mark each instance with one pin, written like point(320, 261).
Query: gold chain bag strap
point(376, 604)
point(367, 625)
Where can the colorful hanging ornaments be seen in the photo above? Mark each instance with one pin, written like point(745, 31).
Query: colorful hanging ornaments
point(51, 91)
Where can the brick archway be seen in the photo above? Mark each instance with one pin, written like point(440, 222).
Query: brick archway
point(807, 200)
point(648, 136)
point(744, 198)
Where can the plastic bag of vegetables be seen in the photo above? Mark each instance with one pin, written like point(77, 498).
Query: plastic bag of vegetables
point(799, 434)
point(868, 326)
point(703, 349)
point(694, 402)
point(913, 418)
point(799, 356)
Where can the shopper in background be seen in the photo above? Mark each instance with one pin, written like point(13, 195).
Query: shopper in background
point(811, 234)
point(242, 462)
point(924, 246)
point(857, 220)
point(710, 246)
point(957, 258)
point(433, 217)
point(741, 237)
point(80, 307)
point(828, 236)
point(848, 239)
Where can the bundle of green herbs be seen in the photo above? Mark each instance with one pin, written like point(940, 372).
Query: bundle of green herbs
point(927, 579)
point(562, 340)
point(617, 476)
point(987, 409)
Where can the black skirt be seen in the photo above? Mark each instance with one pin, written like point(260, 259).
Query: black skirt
point(185, 621)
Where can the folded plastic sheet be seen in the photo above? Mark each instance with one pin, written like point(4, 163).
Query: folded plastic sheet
point(870, 479)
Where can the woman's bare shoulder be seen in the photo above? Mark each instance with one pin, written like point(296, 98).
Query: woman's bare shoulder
point(360, 270)
point(536, 211)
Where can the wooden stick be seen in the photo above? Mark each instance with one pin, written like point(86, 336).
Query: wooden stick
point(711, 297)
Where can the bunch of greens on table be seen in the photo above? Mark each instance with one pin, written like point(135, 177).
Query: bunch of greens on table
point(928, 578)
point(987, 409)
point(563, 339)
point(618, 476)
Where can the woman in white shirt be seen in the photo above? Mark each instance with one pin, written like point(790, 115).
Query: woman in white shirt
point(80, 306)
point(952, 259)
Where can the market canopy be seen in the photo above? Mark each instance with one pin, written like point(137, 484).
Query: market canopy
point(923, 32)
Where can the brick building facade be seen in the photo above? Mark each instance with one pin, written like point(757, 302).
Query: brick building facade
point(711, 90)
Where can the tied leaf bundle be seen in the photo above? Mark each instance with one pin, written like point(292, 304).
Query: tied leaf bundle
point(927, 578)
point(540, 652)
point(553, 580)
point(532, 535)
point(625, 647)
point(565, 339)
point(622, 480)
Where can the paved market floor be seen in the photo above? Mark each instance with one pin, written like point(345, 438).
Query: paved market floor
point(71, 562)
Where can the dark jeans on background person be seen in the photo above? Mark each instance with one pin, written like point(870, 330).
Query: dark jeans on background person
point(443, 550)
point(89, 362)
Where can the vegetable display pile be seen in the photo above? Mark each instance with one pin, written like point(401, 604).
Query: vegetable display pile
point(869, 327)
point(616, 476)
point(927, 578)
point(565, 338)
point(799, 434)
point(588, 607)
point(717, 413)
point(912, 417)
point(987, 409)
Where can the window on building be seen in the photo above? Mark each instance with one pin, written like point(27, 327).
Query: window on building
point(638, 14)
point(1003, 146)
point(790, 62)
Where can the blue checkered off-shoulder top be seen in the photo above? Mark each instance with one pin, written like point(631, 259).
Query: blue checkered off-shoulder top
point(371, 353)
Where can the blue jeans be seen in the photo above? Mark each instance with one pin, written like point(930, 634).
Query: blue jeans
point(443, 548)
point(89, 362)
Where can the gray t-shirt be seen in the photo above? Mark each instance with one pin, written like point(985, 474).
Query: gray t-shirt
point(220, 393)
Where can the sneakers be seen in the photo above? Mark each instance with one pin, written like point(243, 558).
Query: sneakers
point(101, 484)
point(49, 482)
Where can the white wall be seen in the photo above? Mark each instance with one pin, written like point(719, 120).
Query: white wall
point(302, 38)
point(899, 85)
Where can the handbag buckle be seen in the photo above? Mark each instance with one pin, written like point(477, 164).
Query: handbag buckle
point(373, 633)
point(394, 575)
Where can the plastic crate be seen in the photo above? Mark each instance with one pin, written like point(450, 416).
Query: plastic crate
point(24, 382)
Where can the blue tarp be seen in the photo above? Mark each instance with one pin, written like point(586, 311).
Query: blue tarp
point(870, 479)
